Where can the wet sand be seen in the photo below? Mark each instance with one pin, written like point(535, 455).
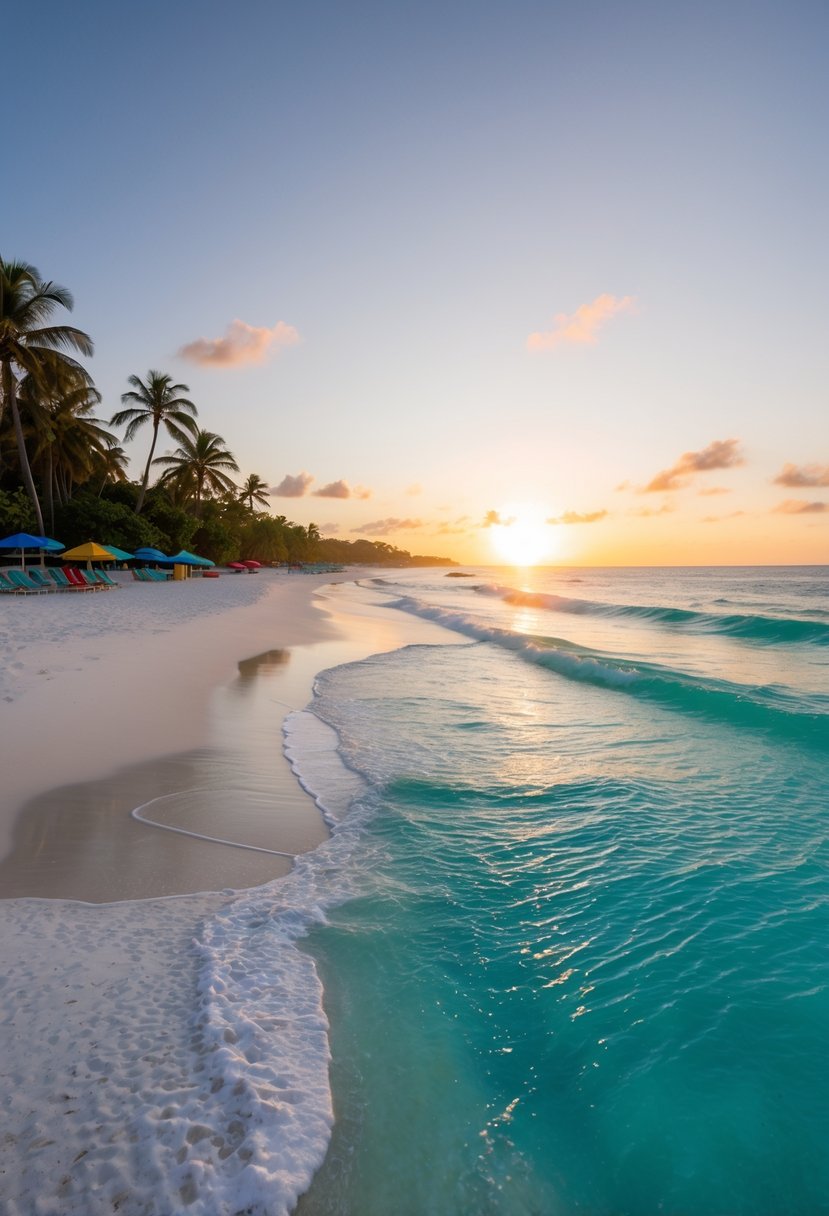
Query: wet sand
point(81, 840)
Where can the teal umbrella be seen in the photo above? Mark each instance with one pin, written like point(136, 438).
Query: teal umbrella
point(183, 558)
point(121, 554)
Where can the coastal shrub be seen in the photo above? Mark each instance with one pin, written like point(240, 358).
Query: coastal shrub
point(87, 517)
point(263, 538)
point(216, 539)
point(177, 526)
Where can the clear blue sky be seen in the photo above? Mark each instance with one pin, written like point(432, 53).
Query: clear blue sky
point(417, 189)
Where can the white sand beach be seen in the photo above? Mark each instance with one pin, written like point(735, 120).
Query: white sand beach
point(144, 1065)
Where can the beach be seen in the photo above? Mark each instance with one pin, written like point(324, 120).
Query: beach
point(521, 875)
point(169, 699)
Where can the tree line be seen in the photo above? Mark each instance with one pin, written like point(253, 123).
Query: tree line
point(63, 471)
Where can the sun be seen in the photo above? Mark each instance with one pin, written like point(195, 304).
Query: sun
point(522, 537)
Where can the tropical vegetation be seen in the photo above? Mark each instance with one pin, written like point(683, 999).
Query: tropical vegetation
point(63, 471)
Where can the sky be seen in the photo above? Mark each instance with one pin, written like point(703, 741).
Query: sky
point(500, 282)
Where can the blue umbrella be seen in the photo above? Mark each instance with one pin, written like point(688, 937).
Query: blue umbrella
point(147, 554)
point(25, 540)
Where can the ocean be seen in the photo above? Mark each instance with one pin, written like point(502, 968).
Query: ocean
point(570, 931)
point(565, 950)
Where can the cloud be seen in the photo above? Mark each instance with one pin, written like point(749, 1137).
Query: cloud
point(329, 529)
point(793, 507)
point(648, 512)
point(450, 529)
point(573, 517)
point(623, 485)
point(579, 328)
point(414, 489)
point(712, 491)
point(794, 475)
point(716, 519)
point(493, 519)
point(292, 487)
point(382, 527)
point(721, 454)
point(242, 343)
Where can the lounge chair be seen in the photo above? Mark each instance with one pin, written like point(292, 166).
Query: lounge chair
point(89, 578)
point(7, 587)
point(23, 582)
point(62, 582)
point(39, 578)
point(104, 579)
point(76, 578)
point(140, 575)
point(158, 576)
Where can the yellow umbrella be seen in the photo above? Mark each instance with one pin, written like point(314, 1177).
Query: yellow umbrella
point(89, 553)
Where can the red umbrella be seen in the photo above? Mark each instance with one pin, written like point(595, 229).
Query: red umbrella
point(251, 564)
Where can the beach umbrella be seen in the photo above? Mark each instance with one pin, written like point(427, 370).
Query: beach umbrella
point(184, 558)
point(25, 540)
point(89, 553)
point(251, 564)
point(147, 554)
point(120, 554)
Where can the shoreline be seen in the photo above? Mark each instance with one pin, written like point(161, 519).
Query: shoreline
point(223, 784)
point(113, 1065)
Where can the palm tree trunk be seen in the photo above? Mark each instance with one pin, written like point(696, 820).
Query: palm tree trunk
point(140, 502)
point(25, 467)
point(50, 498)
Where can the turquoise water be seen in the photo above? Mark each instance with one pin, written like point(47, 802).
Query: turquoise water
point(582, 965)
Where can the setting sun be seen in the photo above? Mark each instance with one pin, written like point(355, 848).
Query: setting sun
point(522, 537)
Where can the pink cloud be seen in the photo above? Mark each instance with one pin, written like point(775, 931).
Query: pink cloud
point(713, 491)
point(292, 487)
point(793, 507)
point(721, 454)
point(580, 328)
point(794, 476)
point(334, 489)
point(341, 489)
point(382, 527)
point(242, 343)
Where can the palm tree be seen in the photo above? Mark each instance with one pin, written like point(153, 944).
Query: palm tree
point(69, 441)
point(27, 347)
point(110, 465)
point(157, 401)
point(253, 490)
point(199, 465)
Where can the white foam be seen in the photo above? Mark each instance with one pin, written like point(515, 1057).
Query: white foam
point(311, 747)
point(564, 658)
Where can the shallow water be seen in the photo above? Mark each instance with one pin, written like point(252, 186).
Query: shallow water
point(579, 962)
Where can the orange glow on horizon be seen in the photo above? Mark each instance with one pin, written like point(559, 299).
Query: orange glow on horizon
point(522, 537)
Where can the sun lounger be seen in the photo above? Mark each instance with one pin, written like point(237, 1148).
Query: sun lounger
point(158, 576)
point(90, 579)
point(39, 578)
point(77, 579)
point(7, 587)
point(140, 575)
point(62, 582)
point(23, 582)
point(104, 579)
